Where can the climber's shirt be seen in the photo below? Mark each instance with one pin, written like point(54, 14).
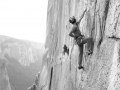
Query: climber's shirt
point(76, 31)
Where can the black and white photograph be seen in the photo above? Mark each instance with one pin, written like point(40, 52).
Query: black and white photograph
point(59, 44)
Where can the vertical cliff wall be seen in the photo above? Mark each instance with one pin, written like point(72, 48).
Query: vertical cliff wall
point(102, 68)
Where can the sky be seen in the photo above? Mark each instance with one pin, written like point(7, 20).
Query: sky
point(24, 19)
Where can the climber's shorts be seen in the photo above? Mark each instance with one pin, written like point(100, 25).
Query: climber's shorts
point(79, 40)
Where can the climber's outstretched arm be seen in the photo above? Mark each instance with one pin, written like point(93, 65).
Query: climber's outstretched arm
point(81, 17)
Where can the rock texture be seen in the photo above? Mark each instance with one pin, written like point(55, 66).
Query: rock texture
point(102, 68)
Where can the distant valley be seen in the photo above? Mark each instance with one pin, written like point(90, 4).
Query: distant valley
point(24, 60)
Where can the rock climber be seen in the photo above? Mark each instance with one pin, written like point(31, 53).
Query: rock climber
point(79, 38)
point(65, 50)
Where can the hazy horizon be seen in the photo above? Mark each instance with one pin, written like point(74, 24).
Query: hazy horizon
point(24, 19)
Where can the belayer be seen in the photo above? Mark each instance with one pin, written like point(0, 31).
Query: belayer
point(80, 39)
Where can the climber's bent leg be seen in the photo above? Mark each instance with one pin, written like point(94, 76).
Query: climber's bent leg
point(89, 42)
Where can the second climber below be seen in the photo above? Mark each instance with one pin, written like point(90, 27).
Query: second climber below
point(79, 38)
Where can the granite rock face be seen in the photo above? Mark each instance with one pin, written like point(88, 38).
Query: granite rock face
point(102, 68)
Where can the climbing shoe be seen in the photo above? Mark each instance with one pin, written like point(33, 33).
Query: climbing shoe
point(80, 67)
